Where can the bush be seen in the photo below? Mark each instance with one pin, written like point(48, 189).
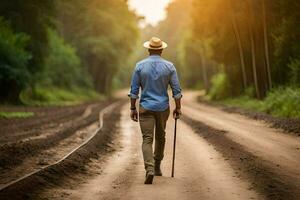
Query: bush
point(283, 102)
point(14, 73)
point(245, 102)
point(295, 71)
point(220, 87)
point(249, 92)
point(57, 96)
point(63, 67)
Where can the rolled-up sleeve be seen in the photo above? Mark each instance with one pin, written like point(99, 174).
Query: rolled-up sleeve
point(175, 85)
point(135, 85)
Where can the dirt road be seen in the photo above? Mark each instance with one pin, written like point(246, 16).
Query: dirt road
point(219, 156)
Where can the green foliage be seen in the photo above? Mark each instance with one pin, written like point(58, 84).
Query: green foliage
point(73, 44)
point(219, 32)
point(62, 66)
point(283, 102)
point(14, 72)
point(57, 96)
point(189, 58)
point(10, 115)
point(249, 92)
point(31, 17)
point(107, 39)
point(220, 87)
point(294, 66)
point(285, 38)
point(245, 102)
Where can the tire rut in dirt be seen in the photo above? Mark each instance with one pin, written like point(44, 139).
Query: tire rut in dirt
point(264, 176)
point(76, 163)
point(21, 150)
point(291, 126)
point(288, 125)
point(43, 117)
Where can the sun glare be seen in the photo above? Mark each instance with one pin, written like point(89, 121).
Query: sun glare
point(153, 11)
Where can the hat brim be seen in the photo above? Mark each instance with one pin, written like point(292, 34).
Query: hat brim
point(163, 46)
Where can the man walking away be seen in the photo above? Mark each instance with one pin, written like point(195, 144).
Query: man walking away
point(153, 75)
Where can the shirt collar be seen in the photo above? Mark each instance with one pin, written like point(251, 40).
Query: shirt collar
point(154, 56)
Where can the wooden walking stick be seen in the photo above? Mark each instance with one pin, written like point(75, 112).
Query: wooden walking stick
point(174, 147)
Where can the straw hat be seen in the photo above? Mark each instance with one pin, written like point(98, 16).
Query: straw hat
point(155, 43)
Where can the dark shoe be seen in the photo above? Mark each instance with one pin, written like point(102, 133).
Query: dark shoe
point(157, 170)
point(149, 177)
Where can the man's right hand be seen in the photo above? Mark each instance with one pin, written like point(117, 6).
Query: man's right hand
point(177, 113)
point(134, 115)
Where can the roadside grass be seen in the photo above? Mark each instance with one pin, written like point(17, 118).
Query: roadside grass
point(280, 102)
point(244, 102)
point(11, 115)
point(58, 97)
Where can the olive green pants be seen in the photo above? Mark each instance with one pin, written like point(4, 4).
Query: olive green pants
point(150, 122)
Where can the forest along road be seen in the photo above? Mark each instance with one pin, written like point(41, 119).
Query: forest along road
point(219, 156)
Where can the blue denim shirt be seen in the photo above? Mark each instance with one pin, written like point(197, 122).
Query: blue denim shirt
point(154, 75)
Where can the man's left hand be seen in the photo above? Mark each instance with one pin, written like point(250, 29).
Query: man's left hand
point(177, 113)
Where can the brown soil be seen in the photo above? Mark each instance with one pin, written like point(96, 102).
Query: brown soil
point(288, 125)
point(219, 155)
point(31, 146)
point(76, 164)
point(201, 172)
point(265, 176)
point(43, 118)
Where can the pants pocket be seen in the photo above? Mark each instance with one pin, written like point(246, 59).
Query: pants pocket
point(142, 110)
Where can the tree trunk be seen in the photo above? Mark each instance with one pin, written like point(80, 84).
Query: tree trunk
point(10, 92)
point(253, 52)
point(204, 71)
point(239, 43)
point(266, 44)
